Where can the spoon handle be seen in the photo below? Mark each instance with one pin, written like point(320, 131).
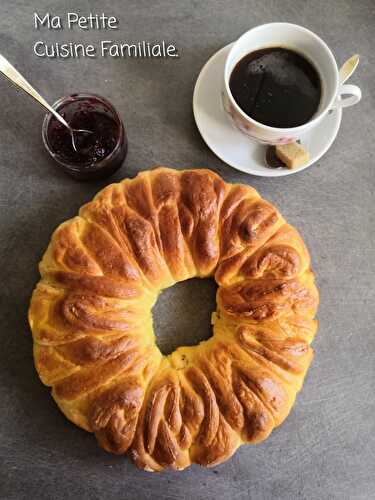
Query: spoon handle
point(10, 72)
point(348, 68)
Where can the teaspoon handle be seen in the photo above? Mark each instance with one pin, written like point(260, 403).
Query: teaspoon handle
point(348, 68)
point(10, 72)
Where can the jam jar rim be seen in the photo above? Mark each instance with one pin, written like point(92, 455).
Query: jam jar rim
point(71, 166)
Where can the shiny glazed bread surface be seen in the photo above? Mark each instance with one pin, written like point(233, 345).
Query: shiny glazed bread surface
point(90, 315)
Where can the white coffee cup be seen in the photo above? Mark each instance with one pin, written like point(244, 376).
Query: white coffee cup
point(312, 47)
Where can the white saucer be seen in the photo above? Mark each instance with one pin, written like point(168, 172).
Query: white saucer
point(231, 145)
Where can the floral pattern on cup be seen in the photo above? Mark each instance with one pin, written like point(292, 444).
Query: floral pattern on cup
point(285, 140)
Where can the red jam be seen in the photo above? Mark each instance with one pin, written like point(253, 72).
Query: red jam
point(99, 153)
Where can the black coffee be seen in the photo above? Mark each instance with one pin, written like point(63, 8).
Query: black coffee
point(277, 87)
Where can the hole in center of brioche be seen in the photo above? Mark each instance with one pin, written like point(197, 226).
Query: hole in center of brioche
point(182, 314)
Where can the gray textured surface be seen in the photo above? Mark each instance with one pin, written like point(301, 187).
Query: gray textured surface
point(326, 448)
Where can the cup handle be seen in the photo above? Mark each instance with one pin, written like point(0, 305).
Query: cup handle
point(354, 94)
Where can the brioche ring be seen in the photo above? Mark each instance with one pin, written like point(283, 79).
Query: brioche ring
point(91, 320)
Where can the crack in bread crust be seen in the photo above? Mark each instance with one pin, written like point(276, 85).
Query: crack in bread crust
point(91, 320)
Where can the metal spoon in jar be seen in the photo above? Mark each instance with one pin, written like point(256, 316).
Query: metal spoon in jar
point(10, 72)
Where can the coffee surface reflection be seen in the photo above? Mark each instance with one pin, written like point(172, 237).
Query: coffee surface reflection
point(277, 87)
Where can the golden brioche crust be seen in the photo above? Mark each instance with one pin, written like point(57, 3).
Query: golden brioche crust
point(90, 316)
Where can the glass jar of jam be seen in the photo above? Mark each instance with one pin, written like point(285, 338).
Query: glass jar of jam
point(98, 154)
